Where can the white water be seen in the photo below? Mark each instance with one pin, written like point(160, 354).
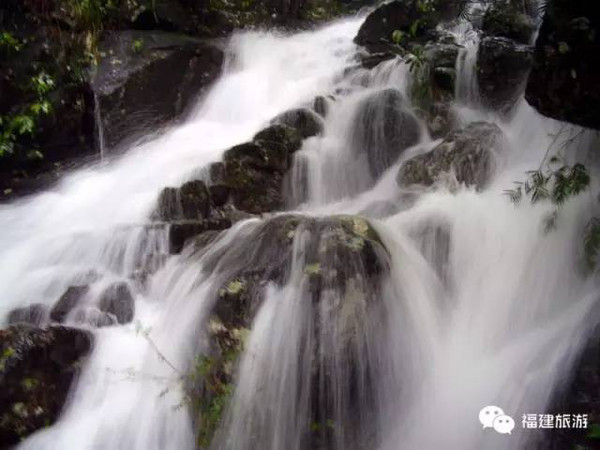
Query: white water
point(497, 323)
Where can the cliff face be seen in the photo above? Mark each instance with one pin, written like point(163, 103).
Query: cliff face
point(565, 80)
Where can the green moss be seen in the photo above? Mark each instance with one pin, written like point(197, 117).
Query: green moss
point(234, 287)
point(313, 269)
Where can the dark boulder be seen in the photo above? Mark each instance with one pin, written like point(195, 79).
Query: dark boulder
point(306, 122)
point(145, 79)
point(565, 80)
point(338, 249)
point(504, 20)
point(383, 128)
point(502, 69)
point(255, 171)
point(321, 105)
point(37, 370)
point(407, 16)
point(191, 201)
point(34, 314)
point(467, 153)
point(117, 301)
point(180, 232)
point(218, 189)
point(67, 302)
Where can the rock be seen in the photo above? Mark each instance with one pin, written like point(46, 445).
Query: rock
point(383, 128)
point(406, 16)
point(505, 20)
point(218, 189)
point(255, 171)
point(67, 302)
point(279, 139)
point(145, 79)
point(180, 232)
point(321, 105)
point(34, 314)
point(191, 201)
point(339, 264)
point(432, 90)
point(467, 153)
point(565, 80)
point(117, 301)
point(306, 122)
point(371, 60)
point(338, 249)
point(37, 369)
point(502, 69)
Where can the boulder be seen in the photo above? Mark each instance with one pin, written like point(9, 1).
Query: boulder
point(467, 154)
point(336, 266)
point(218, 189)
point(67, 302)
point(117, 301)
point(191, 201)
point(180, 232)
point(407, 16)
point(37, 370)
point(338, 249)
point(502, 69)
point(255, 171)
point(34, 314)
point(565, 80)
point(147, 78)
point(306, 122)
point(504, 20)
point(383, 128)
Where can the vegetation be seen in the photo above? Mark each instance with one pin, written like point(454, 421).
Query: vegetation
point(556, 182)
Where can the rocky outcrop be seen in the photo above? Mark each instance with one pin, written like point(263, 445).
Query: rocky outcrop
point(255, 171)
point(306, 122)
point(383, 128)
point(564, 83)
point(338, 250)
point(190, 201)
point(117, 301)
point(34, 314)
point(466, 155)
point(412, 17)
point(148, 78)
point(37, 369)
point(505, 19)
point(68, 302)
point(502, 69)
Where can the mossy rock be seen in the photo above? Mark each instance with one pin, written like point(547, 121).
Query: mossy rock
point(37, 369)
point(467, 154)
point(504, 20)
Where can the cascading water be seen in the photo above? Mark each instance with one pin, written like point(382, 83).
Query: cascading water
point(471, 305)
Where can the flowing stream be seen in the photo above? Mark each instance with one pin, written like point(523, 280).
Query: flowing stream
point(480, 306)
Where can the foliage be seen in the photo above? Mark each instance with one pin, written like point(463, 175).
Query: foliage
point(23, 123)
point(556, 184)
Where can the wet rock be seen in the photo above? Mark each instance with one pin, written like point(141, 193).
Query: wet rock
point(34, 314)
point(371, 60)
point(505, 20)
point(191, 201)
point(255, 171)
point(37, 370)
point(67, 302)
point(321, 105)
point(117, 301)
point(180, 232)
point(383, 128)
point(467, 154)
point(502, 69)
point(306, 122)
point(147, 78)
point(406, 16)
point(565, 81)
point(218, 189)
point(338, 250)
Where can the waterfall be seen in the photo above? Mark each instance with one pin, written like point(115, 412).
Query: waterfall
point(473, 304)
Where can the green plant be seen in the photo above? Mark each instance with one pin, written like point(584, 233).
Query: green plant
point(137, 46)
